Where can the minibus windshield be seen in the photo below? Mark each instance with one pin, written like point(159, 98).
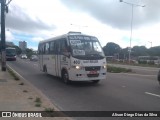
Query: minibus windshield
point(86, 47)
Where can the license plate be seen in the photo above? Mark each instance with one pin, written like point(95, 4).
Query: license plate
point(93, 72)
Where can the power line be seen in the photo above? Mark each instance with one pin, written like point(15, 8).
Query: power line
point(8, 2)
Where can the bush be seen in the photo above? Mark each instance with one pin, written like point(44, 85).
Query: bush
point(142, 62)
point(151, 62)
point(113, 69)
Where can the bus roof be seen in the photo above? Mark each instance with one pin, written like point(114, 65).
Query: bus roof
point(64, 36)
point(10, 48)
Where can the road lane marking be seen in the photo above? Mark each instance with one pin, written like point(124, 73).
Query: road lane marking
point(152, 94)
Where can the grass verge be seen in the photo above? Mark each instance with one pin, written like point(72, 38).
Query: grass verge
point(113, 69)
point(13, 74)
point(38, 102)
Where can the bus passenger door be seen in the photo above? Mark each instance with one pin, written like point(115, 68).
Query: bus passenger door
point(61, 60)
point(40, 56)
point(57, 58)
point(52, 59)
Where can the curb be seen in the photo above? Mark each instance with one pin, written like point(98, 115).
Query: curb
point(34, 88)
point(44, 97)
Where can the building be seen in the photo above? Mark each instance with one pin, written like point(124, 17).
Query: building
point(23, 45)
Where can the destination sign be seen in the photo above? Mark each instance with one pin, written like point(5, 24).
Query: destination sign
point(90, 61)
point(82, 37)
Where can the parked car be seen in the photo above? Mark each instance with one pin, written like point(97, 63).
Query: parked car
point(34, 58)
point(23, 56)
point(158, 77)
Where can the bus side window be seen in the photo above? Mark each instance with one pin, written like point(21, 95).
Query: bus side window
point(43, 49)
point(39, 49)
point(47, 48)
point(64, 47)
point(56, 47)
point(52, 45)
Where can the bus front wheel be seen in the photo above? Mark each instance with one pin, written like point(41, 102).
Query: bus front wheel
point(45, 69)
point(65, 77)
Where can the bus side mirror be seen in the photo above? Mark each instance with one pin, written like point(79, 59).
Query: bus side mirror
point(67, 54)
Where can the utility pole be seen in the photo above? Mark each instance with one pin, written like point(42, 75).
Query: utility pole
point(132, 5)
point(4, 8)
point(3, 41)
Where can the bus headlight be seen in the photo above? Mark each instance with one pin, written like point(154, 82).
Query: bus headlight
point(77, 67)
point(104, 66)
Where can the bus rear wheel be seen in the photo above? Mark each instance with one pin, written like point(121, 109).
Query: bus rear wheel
point(65, 77)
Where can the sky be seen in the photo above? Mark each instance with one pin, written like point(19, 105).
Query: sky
point(108, 20)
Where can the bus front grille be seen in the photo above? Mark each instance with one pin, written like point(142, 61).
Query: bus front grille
point(92, 75)
point(92, 68)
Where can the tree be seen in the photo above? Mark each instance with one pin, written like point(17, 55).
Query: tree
point(29, 52)
point(139, 51)
point(154, 51)
point(111, 49)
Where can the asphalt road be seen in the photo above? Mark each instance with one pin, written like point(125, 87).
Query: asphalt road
point(119, 92)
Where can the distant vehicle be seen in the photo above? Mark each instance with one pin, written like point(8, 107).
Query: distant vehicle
point(73, 57)
point(10, 54)
point(34, 58)
point(158, 77)
point(23, 56)
point(149, 60)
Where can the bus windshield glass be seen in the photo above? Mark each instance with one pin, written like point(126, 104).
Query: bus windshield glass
point(10, 52)
point(86, 47)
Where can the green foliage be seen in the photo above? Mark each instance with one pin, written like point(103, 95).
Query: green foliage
point(154, 51)
point(29, 52)
point(49, 109)
point(112, 48)
point(113, 69)
point(38, 102)
point(13, 74)
point(21, 83)
point(151, 63)
point(139, 51)
point(142, 62)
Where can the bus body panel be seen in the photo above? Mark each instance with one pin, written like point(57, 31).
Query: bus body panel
point(89, 70)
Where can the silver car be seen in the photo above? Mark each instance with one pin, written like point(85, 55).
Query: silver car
point(23, 56)
point(34, 58)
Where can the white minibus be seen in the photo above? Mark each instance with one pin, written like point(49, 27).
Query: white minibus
point(73, 57)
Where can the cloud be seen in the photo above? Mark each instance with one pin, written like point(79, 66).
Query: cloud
point(37, 39)
point(118, 14)
point(18, 19)
point(9, 36)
